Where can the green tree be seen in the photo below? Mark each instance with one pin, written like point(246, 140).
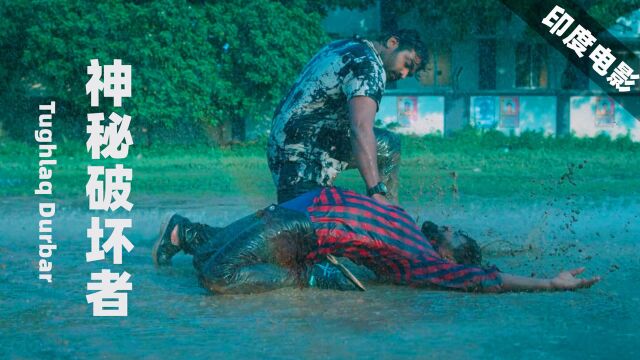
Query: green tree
point(191, 62)
point(463, 17)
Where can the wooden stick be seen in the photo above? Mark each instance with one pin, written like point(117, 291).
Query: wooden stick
point(332, 259)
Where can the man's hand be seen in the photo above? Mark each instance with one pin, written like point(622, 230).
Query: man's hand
point(567, 280)
point(381, 198)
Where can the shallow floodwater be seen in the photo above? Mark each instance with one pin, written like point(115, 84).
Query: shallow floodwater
point(170, 315)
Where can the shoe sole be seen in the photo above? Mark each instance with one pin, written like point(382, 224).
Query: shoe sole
point(163, 228)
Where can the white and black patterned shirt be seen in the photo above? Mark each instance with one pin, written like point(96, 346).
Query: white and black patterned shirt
point(313, 119)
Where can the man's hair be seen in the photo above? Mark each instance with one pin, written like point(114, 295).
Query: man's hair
point(408, 39)
point(465, 250)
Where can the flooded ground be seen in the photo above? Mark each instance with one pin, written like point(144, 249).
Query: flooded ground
point(170, 315)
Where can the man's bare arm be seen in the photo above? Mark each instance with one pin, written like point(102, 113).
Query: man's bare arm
point(362, 111)
point(566, 280)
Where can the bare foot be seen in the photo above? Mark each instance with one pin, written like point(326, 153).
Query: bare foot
point(175, 240)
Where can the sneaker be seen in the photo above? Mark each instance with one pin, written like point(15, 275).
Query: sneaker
point(163, 249)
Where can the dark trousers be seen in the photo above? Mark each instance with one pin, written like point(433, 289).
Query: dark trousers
point(260, 252)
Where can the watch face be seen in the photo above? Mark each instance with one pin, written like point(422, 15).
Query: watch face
point(380, 188)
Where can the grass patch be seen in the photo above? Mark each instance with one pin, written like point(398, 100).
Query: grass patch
point(470, 163)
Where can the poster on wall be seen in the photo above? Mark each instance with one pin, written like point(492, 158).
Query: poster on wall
point(405, 114)
point(509, 112)
point(484, 110)
point(594, 115)
point(604, 110)
point(407, 110)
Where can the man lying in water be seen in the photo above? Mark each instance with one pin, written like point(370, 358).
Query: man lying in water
point(279, 246)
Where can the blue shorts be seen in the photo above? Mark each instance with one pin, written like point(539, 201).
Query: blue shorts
point(302, 202)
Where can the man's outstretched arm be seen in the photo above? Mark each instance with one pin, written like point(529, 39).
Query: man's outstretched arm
point(566, 280)
point(362, 110)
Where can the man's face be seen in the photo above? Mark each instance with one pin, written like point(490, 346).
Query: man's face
point(399, 64)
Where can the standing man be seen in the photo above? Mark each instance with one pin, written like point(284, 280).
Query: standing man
point(325, 124)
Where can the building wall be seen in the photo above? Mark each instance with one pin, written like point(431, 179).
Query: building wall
point(444, 109)
point(534, 113)
point(463, 55)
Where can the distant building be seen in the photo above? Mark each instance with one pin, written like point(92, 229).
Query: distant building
point(494, 78)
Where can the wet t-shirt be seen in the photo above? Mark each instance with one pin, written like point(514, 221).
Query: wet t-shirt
point(312, 122)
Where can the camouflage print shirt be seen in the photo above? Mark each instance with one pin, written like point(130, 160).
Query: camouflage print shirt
point(312, 123)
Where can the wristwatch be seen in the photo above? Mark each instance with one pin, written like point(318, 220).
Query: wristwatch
point(379, 188)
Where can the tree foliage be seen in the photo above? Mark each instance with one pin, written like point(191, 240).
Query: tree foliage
point(463, 17)
point(323, 7)
point(190, 61)
point(606, 12)
point(194, 61)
